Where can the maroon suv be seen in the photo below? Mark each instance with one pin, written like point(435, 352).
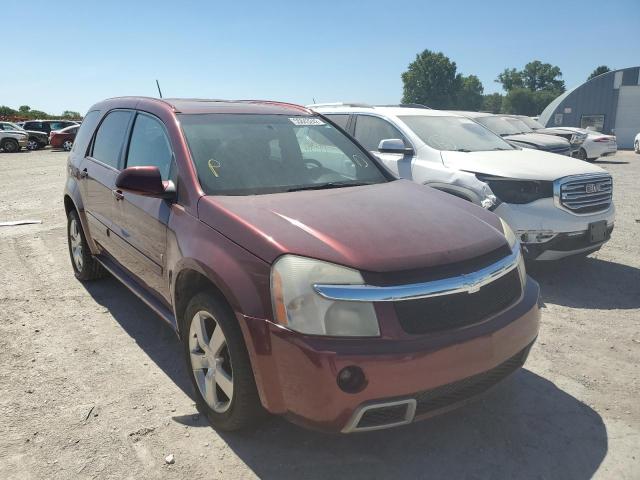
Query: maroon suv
point(302, 278)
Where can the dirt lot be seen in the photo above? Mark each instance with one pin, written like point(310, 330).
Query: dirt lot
point(92, 384)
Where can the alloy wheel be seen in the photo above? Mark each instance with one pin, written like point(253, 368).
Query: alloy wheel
point(32, 145)
point(67, 145)
point(75, 240)
point(211, 362)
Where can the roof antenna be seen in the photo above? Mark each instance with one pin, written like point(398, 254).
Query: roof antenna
point(314, 100)
point(159, 91)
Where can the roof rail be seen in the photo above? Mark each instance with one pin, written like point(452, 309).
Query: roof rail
point(340, 104)
point(407, 105)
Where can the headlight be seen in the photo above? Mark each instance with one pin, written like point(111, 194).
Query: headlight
point(517, 191)
point(488, 200)
point(513, 243)
point(297, 306)
point(509, 235)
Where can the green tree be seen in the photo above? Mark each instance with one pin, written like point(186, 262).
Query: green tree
point(599, 71)
point(7, 111)
point(431, 80)
point(70, 114)
point(535, 76)
point(522, 101)
point(469, 92)
point(492, 102)
point(24, 108)
point(510, 78)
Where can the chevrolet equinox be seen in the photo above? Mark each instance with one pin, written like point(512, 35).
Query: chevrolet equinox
point(302, 277)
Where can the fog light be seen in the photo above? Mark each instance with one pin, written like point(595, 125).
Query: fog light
point(351, 379)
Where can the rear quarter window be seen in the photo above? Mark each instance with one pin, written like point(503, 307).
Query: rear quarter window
point(85, 132)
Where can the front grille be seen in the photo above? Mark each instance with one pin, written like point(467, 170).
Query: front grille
point(428, 315)
point(587, 195)
point(455, 392)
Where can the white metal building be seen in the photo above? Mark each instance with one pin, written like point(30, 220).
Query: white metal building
point(610, 103)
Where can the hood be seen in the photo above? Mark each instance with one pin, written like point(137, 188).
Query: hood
point(387, 227)
point(539, 140)
point(525, 164)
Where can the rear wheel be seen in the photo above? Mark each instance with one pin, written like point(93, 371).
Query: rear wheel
point(219, 365)
point(67, 145)
point(85, 267)
point(33, 144)
point(582, 154)
point(10, 145)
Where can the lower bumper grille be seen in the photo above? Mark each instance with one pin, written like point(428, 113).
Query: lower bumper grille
point(461, 390)
point(399, 412)
point(453, 311)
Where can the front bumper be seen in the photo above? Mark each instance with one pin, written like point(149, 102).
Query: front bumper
point(297, 374)
point(561, 233)
point(23, 141)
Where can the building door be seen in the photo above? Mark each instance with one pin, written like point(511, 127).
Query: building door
point(627, 123)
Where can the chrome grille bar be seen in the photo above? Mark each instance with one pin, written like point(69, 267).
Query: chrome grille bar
point(470, 282)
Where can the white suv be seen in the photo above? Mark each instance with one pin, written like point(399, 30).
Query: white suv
point(558, 206)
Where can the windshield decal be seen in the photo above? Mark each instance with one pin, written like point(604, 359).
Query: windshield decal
point(306, 121)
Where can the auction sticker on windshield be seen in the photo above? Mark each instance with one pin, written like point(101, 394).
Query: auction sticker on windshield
point(306, 121)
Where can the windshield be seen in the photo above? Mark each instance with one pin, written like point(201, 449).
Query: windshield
point(519, 124)
point(454, 133)
point(531, 123)
point(498, 125)
point(245, 154)
point(12, 126)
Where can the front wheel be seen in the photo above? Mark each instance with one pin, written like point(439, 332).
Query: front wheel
point(32, 144)
point(219, 365)
point(67, 145)
point(10, 145)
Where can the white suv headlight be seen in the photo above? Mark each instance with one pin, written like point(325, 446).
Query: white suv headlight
point(297, 306)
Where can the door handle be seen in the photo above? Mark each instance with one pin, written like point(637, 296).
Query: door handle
point(118, 194)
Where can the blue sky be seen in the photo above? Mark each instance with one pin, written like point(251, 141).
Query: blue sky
point(67, 55)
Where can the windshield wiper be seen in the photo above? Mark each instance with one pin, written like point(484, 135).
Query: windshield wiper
point(501, 149)
point(463, 150)
point(324, 186)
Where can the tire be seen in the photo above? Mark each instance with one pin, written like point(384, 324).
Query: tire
point(582, 154)
point(9, 145)
point(67, 145)
point(211, 355)
point(85, 267)
point(33, 144)
point(636, 146)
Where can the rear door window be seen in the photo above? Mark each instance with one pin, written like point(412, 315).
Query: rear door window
point(109, 140)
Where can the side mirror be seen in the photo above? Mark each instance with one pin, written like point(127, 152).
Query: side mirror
point(145, 181)
point(394, 145)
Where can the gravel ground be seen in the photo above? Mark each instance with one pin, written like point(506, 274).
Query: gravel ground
point(92, 384)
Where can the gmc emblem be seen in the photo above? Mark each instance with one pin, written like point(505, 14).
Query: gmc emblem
point(591, 188)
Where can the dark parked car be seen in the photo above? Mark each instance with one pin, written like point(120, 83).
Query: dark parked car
point(302, 277)
point(63, 138)
point(529, 125)
point(520, 136)
point(35, 139)
point(47, 126)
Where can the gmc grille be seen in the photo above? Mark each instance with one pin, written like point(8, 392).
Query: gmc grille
point(586, 194)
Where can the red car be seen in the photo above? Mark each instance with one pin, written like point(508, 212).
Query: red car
point(302, 278)
point(63, 138)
